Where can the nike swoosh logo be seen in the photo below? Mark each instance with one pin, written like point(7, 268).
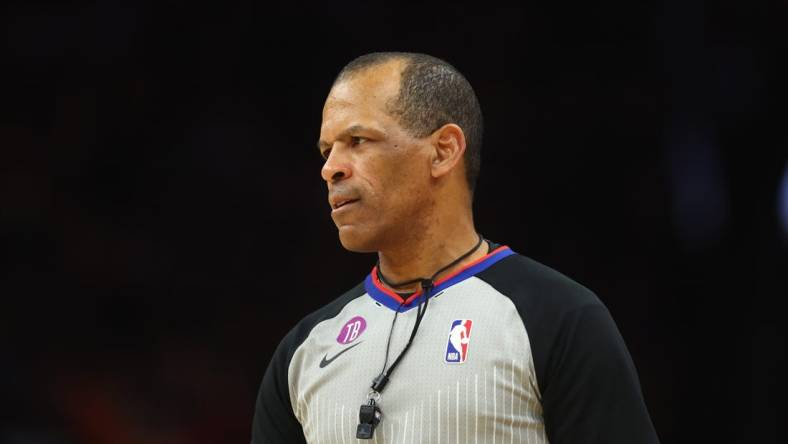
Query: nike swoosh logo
point(324, 362)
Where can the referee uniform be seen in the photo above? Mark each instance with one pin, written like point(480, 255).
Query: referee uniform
point(509, 351)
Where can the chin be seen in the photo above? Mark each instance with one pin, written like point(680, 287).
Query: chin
point(355, 240)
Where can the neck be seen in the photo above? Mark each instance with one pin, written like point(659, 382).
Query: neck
point(422, 256)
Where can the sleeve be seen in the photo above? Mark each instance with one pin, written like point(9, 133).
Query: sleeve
point(274, 421)
point(592, 393)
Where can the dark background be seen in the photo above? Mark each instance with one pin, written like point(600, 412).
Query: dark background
point(163, 222)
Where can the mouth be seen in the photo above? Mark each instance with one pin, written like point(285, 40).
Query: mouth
point(343, 203)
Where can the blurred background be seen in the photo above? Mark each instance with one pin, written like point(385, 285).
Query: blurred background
point(163, 222)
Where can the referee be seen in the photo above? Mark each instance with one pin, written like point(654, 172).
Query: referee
point(451, 337)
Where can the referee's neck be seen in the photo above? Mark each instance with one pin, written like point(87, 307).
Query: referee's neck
point(421, 257)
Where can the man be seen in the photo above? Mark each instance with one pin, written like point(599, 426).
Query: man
point(450, 338)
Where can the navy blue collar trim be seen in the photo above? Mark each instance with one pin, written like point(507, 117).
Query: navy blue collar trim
point(388, 298)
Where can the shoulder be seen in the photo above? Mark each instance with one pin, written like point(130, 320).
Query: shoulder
point(300, 332)
point(535, 285)
point(274, 419)
point(553, 308)
point(302, 329)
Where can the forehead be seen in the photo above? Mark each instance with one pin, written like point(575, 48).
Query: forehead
point(362, 96)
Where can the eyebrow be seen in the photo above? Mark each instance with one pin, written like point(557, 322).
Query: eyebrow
point(353, 129)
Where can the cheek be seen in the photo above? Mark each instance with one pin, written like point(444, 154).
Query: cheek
point(396, 183)
point(406, 169)
point(402, 195)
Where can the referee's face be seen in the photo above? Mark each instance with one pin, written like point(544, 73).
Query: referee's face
point(378, 175)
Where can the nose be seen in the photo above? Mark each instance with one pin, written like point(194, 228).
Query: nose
point(336, 167)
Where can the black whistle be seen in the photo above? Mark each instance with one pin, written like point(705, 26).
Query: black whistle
point(368, 418)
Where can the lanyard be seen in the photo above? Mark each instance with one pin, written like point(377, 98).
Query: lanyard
point(369, 414)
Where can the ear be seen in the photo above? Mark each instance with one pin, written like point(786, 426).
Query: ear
point(449, 148)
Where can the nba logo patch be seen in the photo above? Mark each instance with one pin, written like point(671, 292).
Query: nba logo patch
point(459, 337)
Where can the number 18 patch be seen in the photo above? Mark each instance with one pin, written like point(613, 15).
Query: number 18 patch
point(459, 337)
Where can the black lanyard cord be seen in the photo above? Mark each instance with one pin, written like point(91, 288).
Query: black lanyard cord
point(413, 281)
point(391, 331)
point(369, 415)
point(379, 383)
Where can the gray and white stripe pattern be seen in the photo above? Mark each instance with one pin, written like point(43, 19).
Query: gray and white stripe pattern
point(492, 397)
point(507, 415)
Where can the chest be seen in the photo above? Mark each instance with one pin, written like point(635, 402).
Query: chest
point(467, 375)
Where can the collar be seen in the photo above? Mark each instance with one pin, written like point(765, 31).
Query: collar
point(392, 300)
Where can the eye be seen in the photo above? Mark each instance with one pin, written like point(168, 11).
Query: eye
point(326, 153)
point(356, 140)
